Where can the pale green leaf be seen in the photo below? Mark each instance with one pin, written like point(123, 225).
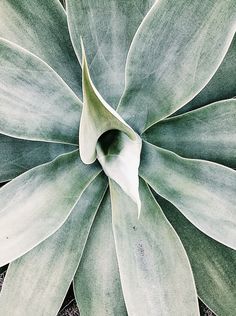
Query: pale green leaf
point(105, 135)
point(97, 117)
point(120, 161)
point(221, 86)
point(107, 28)
point(174, 54)
point(18, 156)
point(203, 191)
point(36, 283)
point(97, 281)
point(213, 264)
point(35, 103)
point(34, 205)
point(207, 133)
point(41, 27)
point(155, 272)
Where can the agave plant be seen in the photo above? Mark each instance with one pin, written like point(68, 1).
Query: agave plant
point(131, 192)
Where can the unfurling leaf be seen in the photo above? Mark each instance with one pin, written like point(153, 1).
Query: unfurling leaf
point(106, 136)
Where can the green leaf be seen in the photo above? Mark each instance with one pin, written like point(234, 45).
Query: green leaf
point(107, 28)
point(221, 86)
point(121, 162)
point(35, 103)
point(97, 117)
point(36, 283)
point(41, 27)
point(203, 191)
point(155, 272)
point(207, 133)
point(34, 205)
point(97, 281)
point(18, 156)
point(174, 54)
point(212, 263)
point(105, 135)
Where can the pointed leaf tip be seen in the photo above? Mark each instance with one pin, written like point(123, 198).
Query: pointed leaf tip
point(122, 166)
point(106, 136)
point(97, 117)
point(152, 262)
point(83, 51)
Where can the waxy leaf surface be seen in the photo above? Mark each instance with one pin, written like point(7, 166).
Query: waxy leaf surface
point(35, 103)
point(174, 54)
point(203, 191)
point(97, 117)
point(18, 155)
point(41, 28)
point(106, 136)
point(208, 133)
point(213, 264)
point(34, 205)
point(97, 281)
point(107, 28)
point(221, 86)
point(36, 283)
point(153, 265)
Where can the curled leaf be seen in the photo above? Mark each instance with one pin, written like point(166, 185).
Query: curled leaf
point(97, 117)
point(106, 136)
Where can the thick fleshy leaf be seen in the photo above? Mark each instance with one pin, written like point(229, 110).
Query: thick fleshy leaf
point(34, 205)
point(18, 156)
point(36, 283)
point(105, 135)
point(213, 264)
point(155, 272)
point(221, 86)
point(174, 54)
point(97, 117)
point(207, 133)
point(41, 27)
point(107, 28)
point(97, 281)
point(121, 162)
point(203, 191)
point(35, 103)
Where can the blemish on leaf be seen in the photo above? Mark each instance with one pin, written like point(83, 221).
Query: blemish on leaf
point(140, 249)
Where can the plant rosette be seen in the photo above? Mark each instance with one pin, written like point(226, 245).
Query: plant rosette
point(131, 192)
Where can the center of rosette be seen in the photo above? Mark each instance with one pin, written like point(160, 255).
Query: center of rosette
point(105, 136)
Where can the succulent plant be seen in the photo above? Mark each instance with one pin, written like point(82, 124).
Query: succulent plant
point(131, 192)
